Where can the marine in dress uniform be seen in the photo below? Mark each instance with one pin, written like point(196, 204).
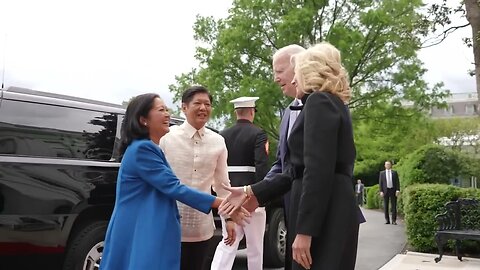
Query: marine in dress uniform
point(247, 147)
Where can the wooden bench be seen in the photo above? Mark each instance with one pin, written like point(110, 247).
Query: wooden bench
point(461, 221)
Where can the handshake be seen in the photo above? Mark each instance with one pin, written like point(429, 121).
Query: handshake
point(239, 204)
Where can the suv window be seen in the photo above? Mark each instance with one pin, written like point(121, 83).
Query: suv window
point(54, 131)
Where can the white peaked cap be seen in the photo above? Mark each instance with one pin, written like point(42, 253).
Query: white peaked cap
point(244, 102)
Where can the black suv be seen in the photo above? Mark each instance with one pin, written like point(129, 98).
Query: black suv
point(58, 168)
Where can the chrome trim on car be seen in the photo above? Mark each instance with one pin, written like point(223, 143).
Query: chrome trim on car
point(57, 161)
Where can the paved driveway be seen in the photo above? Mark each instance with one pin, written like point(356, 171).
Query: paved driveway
point(378, 243)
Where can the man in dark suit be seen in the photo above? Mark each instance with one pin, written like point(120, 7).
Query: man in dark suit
point(283, 76)
point(359, 188)
point(389, 191)
point(247, 147)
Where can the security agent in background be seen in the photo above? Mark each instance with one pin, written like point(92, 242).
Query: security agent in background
point(247, 147)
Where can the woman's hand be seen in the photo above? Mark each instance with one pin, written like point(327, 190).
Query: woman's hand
point(301, 250)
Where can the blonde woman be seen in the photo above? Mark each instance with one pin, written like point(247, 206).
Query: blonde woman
point(323, 222)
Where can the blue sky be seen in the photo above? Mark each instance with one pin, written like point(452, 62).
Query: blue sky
point(113, 50)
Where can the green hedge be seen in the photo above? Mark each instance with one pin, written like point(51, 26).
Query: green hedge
point(429, 164)
point(373, 197)
point(421, 204)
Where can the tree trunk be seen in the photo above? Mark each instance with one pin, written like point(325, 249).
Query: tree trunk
point(473, 16)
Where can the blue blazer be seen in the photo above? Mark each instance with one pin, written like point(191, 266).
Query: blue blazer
point(144, 231)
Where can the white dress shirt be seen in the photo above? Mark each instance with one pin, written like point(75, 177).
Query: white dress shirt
point(199, 159)
point(293, 115)
point(388, 175)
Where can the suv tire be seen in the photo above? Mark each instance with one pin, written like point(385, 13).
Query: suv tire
point(275, 240)
point(86, 248)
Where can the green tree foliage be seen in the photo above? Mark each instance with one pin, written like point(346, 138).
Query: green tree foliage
point(378, 39)
point(460, 134)
point(470, 165)
point(380, 140)
point(429, 164)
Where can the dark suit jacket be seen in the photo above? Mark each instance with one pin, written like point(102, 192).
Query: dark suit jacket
point(279, 163)
point(321, 154)
point(362, 188)
point(246, 145)
point(382, 181)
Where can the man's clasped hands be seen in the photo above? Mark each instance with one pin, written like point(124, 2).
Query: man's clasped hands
point(241, 202)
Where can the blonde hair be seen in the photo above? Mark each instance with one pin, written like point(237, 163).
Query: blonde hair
point(319, 68)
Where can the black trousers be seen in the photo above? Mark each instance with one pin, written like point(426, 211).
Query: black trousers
point(194, 255)
point(390, 196)
point(288, 248)
point(359, 198)
point(288, 255)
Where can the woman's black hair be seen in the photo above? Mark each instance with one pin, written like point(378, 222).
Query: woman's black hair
point(132, 129)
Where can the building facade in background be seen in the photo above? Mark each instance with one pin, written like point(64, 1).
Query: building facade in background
point(458, 105)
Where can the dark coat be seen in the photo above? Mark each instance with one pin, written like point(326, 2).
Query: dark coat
point(320, 158)
point(247, 145)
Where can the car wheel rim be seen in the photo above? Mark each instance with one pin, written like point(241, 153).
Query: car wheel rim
point(282, 238)
point(94, 256)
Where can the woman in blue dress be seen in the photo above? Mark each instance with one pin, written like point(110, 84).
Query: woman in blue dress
point(144, 230)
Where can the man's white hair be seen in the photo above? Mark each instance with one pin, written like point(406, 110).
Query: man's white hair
point(288, 50)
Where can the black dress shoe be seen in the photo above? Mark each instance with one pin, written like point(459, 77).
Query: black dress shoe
point(388, 222)
point(394, 223)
